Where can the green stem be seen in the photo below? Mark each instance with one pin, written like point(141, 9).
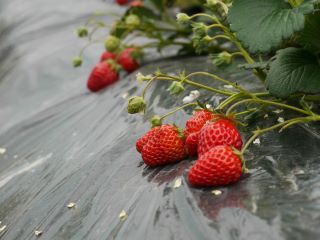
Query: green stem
point(147, 86)
point(221, 80)
point(205, 15)
point(187, 81)
point(177, 109)
point(267, 102)
point(285, 124)
point(219, 36)
point(88, 45)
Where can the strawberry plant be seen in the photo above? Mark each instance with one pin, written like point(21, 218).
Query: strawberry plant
point(279, 42)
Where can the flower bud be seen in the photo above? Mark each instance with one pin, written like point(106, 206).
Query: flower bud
point(112, 43)
point(141, 78)
point(222, 58)
point(77, 61)
point(82, 32)
point(183, 18)
point(176, 88)
point(136, 104)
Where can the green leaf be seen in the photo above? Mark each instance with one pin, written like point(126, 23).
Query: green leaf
point(294, 70)
point(310, 36)
point(262, 25)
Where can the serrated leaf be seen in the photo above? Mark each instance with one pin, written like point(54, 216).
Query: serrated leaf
point(262, 25)
point(294, 70)
point(310, 36)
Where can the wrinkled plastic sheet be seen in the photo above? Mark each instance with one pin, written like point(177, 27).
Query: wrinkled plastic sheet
point(65, 145)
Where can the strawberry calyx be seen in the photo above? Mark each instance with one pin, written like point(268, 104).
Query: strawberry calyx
point(156, 121)
point(243, 161)
point(114, 65)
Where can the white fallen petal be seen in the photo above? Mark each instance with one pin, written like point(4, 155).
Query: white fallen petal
point(187, 99)
point(2, 150)
point(257, 141)
point(216, 192)
point(208, 106)
point(228, 86)
point(125, 95)
point(3, 228)
point(177, 183)
point(195, 94)
point(71, 205)
point(280, 120)
point(123, 215)
point(277, 111)
point(38, 233)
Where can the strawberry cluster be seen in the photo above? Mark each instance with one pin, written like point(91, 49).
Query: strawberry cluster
point(107, 70)
point(213, 138)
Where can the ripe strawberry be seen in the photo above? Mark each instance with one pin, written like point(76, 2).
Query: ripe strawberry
point(192, 144)
point(196, 122)
point(142, 141)
point(221, 132)
point(192, 129)
point(136, 3)
point(127, 60)
point(122, 2)
point(165, 147)
point(218, 167)
point(101, 76)
point(107, 55)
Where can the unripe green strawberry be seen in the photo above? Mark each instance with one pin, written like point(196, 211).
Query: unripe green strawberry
point(133, 21)
point(82, 32)
point(136, 104)
point(218, 167)
point(112, 43)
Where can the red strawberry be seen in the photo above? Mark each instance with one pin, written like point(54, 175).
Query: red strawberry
point(122, 2)
point(127, 61)
point(107, 55)
point(218, 167)
point(192, 129)
point(101, 76)
point(192, 144)
point(165, 147)
point(142, 141)
point(196, 122)
point(136, 3)
point(221, 132)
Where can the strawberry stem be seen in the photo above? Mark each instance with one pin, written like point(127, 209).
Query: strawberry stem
point(179, 108)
